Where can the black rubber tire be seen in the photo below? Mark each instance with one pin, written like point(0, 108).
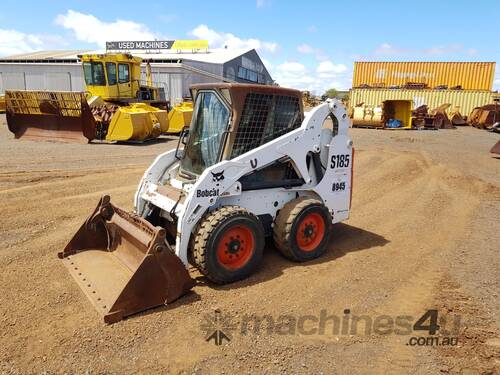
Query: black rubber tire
point(207, 235)
point(287, 223)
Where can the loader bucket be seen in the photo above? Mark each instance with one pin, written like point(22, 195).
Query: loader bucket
point(50, 116)
point(123, 264)
point(136, 122)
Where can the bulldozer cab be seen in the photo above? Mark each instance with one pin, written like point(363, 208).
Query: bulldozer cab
point(230, 119)
point(112, 76)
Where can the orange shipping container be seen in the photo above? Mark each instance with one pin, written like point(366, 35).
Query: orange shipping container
point(469, 75)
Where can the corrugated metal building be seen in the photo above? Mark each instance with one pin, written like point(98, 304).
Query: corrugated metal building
point(175, 72)
point(468, 75)
point(465, 100)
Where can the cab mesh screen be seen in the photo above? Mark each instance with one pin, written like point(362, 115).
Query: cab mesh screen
point(264, 118)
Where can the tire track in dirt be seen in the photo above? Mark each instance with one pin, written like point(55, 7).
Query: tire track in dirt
point(454, 202)
point(390, 257)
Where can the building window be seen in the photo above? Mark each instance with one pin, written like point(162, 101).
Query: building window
point(242, 73)
point(251, 75)
point(247, 74)
point(111, 72)
point(123, 73)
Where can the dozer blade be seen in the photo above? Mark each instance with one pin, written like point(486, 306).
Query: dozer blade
point(50, 116)
point(123, 264)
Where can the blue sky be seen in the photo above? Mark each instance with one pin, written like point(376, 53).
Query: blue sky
point(305, 44)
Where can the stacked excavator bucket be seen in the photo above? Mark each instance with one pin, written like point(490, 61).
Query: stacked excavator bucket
point(484, 117)
point(57, 116)
point(123, 264)
point(496, 148)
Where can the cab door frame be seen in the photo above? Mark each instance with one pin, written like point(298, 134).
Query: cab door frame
point(124, 80)
point(113, 89)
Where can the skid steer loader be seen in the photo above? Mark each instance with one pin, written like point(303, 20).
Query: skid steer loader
point(253, 165)
point(116, 107)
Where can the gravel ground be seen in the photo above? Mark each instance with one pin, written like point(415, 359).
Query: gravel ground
point(423, 235)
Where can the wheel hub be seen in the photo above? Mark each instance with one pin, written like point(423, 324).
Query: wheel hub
point(309, 231)
point(234, 246)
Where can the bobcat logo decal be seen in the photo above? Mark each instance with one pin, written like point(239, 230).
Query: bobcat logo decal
point(217, 176)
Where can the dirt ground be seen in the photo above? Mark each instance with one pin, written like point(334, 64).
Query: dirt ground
point(423, 235)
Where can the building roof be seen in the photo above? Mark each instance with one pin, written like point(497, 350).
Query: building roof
point(214, 56)
point(46, 55)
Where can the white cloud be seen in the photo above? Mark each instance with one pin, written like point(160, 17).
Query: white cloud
point(14, 42)
point(324, 76)
point(292, 74)
point(270, 46)
point(442, 50)
point(90, 29)
point(218, 39)
point(306, 49)
point(167, 18)
point(387, 49)
point(328, 67)
point(267, 63)
point(291, 67)
point(496, 82)
point(472, 52)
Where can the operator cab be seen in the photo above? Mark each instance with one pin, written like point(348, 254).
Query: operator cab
point(231, 119)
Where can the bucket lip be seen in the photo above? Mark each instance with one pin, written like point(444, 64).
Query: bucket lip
point(87, 286)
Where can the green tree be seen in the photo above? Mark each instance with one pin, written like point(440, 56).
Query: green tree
point(331, 93)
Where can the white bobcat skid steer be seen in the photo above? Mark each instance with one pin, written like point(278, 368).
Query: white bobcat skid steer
point(253, 166)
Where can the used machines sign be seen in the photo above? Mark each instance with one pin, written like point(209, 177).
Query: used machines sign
point(157, 44)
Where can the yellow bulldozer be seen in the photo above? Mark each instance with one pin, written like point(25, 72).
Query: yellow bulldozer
point(117, 106)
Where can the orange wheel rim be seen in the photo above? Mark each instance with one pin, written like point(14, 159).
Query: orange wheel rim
point(235, 247)
point(310, 232)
